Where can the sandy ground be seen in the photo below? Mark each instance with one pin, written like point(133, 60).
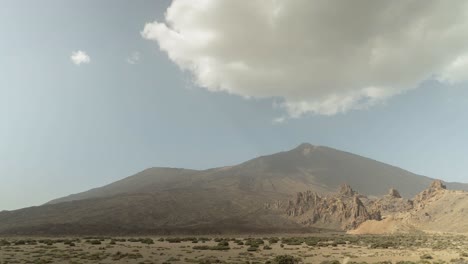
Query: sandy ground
point(438, 249)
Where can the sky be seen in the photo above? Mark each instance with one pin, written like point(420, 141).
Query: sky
point(95, 91)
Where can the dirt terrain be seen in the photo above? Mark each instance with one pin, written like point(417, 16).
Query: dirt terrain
point(319, 248)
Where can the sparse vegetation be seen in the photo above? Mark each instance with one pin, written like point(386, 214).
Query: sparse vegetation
point(312, 249)
point(286, 259)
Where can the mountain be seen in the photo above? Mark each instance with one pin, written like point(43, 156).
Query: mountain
point(226, 199)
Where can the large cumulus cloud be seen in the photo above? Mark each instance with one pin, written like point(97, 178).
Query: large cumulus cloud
point(317, 56)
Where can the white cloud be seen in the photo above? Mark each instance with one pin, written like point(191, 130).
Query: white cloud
point(80, 57)
point(322, 56)
point(456, 71)
point(134, 58)
point(279, 120)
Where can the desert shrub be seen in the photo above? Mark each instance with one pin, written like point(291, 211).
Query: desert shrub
point(458, 261)
point(273, 240)
point(134, 255)
point(312, 241)
point(69, 243)
point(201, 247)
point(209, 260)
point(147, 241)
point(292, 241)
point(383, 244)
point(286, 259)
point(20, 242)
point(218, 247)
point(222, 245)
point(46, 241)
point(426, 256)
point(330, 262)
point(254, 242)
point(266, 247)
point(119, 255)
point(3, 242)
point(173, 240)
point(252, 248)
point(340, 241)
point(94, 242)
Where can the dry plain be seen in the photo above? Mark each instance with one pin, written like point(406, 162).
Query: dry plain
point(320, 248)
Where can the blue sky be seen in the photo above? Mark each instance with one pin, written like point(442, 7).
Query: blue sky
point(65, 128)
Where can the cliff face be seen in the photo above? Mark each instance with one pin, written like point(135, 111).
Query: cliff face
point(343, 210)
point(391, 203)
point(435, 209)
point(434, 192)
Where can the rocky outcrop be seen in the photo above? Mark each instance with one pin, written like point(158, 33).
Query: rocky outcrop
point(438, 185)
point(343, 210)
point(394, 193)
point(346, 190)
point(391, 203)
point(434, 192)
point(434, 209)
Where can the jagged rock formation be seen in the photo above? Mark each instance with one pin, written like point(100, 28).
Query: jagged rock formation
point(435, 191)
point(435, 209)
point(343, 210)
point(346, 190)
point(390, 203)
point(394, 193)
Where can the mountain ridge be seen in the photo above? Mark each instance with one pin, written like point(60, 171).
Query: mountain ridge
point(296, 160)
point(171, 200)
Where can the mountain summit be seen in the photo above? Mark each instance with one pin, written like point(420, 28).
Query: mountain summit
point(225, 199)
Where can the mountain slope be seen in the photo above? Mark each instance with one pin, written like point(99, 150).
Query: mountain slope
point(226, 199)
point(303, 168)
